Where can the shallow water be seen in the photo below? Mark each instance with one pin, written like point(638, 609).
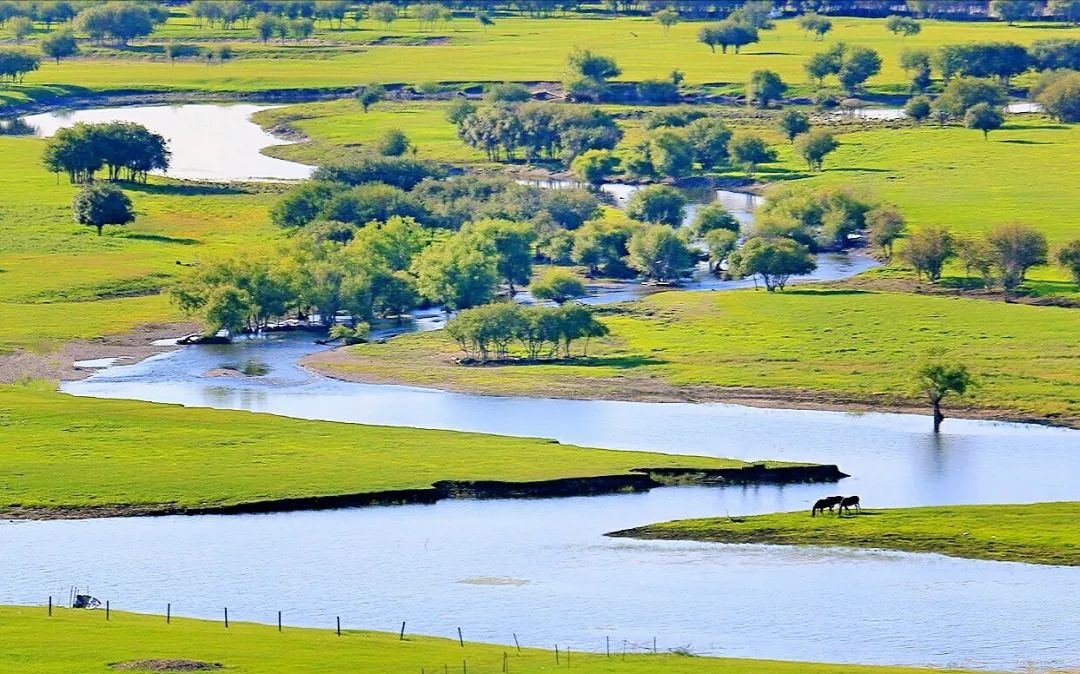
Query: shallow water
point(1017, 108)
point(216, 142)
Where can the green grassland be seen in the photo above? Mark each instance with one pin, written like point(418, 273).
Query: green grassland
point(515, 49)
point(1041, 533)
point(82, 642)
point(69, 452)
point(58, 280)
point(819, 346)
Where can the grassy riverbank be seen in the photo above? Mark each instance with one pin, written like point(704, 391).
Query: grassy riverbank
point(516, 48)
point(1041, 533)
point(807, 347)
point(82, 642)
point(101, 457)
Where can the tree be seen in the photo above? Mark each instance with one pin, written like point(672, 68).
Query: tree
point(721, 244)
point(937, 377)
point(859, 65)
point(709, 140)
point(713, 216)
point(393, 143)
point(814, 146)
point(928, 249)
point(1055, 54)
point(593, 66)
point(15, 64)
point(792, 123)
point(667, 18)
point(917, 108)
point(265, 26)
point(673, 155)
point(100, 204)
point(659, 253)
point(601, 245)
point(984, 118)
point(1061, 96)
point(458, 110)
point(507, 92)
point(813, 23)
point(508, 243)
point(21, 27)
point(1012, 11)
point(373, 201)
point(1002, 60)
point(484, 19)
point(558, 286)
point(456, 274)
point(370, 94)
point(1068, 256)
point(749, 151)
point(226, 309)
point(775, 260)
point(383, 12)
point(884, 225)
point(658, 204)
point(765, 86)
point(977, 255)
point(58, 45)
point(1066, 10)
point(1017, 248)
point(822, 64)
point(728, 33)
point(966, 92)
point(902, 25)
point(594, 166)
point(917, 64)
point(301, 29)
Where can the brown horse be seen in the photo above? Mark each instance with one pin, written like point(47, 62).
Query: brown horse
point(829, 502)
point(847, 502)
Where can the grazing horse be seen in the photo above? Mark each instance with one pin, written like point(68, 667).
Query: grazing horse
point(849, 501)
point(829, 502)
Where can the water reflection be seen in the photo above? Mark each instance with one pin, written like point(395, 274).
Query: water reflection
point(216, 142)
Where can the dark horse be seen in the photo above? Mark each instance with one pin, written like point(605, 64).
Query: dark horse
point(847, 502)
point(829, 502)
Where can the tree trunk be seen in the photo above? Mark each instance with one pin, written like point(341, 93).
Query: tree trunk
point(938, 416)
point(99, 228)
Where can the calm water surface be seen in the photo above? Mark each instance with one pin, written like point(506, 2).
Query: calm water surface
point(542, 568)
point(217, 142)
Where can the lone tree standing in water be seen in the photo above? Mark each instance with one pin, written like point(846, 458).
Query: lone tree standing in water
point(937, 378)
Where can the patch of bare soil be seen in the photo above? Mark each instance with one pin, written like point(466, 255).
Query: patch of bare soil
point(59, 365)
point(160, 665)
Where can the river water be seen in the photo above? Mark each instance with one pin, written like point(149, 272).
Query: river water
point(542, 568)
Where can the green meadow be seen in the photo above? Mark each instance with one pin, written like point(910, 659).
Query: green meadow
point(1041, 533)
point(807, 345)
point(516, 48)
point(62, 451)
point(82, 642)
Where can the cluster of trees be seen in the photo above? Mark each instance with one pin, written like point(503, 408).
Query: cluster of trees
point(15, 64)
point(852, 65)
point(233, 13)
point(129, 151)
point(537, 130)
point(740, 28)
point(999, 60)
point(826, 218)
point(490, 332)
point(121, 21)
point(1002, 256)
point(1058, 91)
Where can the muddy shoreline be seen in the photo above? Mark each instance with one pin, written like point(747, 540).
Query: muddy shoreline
point(638, 480)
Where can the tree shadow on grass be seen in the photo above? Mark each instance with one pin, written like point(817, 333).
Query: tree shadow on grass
point(1034, 127)
point(159, 238)
point(619, 362)
point(1017, 141)
point(196, 190)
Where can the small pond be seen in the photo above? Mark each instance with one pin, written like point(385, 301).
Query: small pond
point(215, 142)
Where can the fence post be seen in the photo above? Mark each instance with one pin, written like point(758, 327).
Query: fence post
point(279, 621)
point(459, 638)
point(517, 644)
point(226, 617)
point(505, 668)
point(556, 654)
point(568, 657)
point(168, 613)
point(106, 610)
point(654, 645)
point(607, 646)
point(50, 604)
point(339, 626)
point(401, 637)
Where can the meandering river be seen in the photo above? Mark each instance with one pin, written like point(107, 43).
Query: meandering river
point(541, 569)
